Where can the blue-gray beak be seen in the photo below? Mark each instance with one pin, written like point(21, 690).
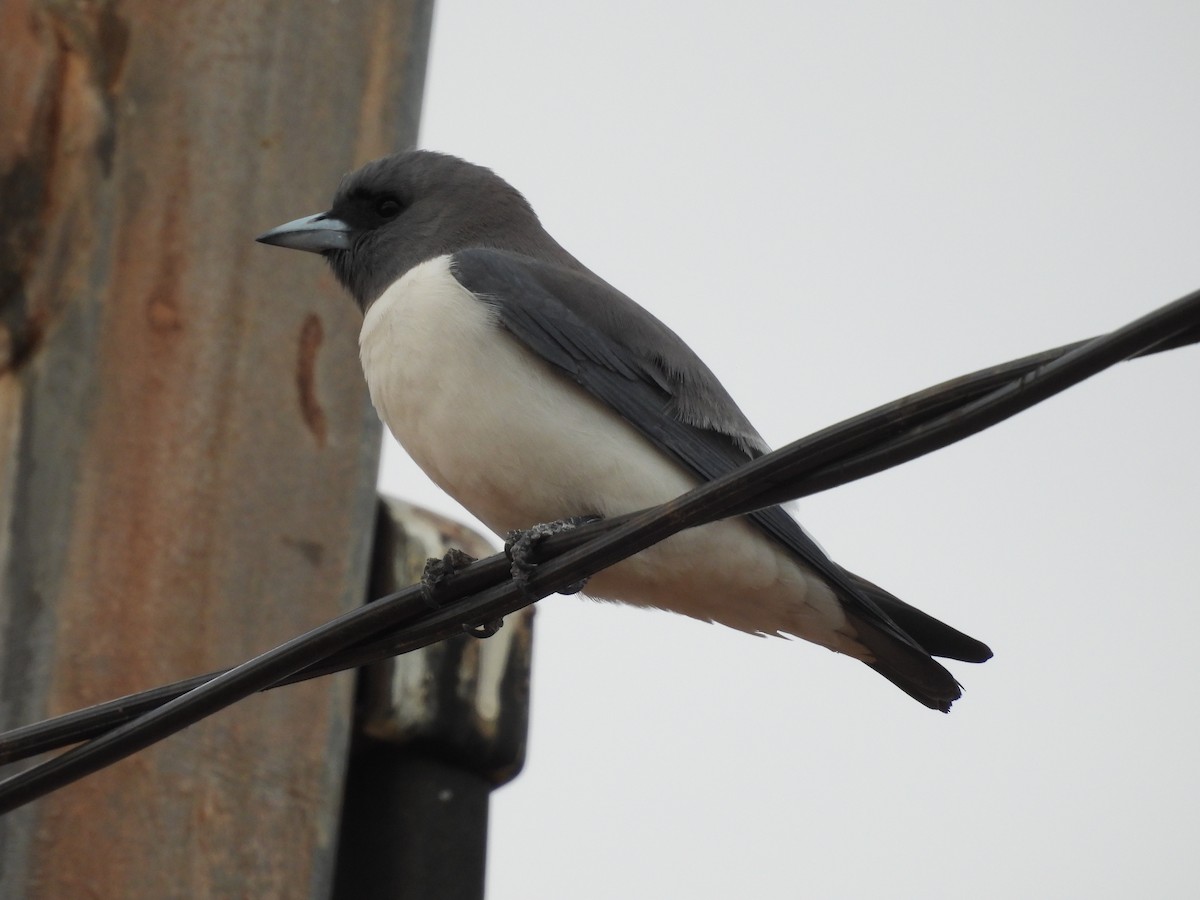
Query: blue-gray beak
point(316, 234)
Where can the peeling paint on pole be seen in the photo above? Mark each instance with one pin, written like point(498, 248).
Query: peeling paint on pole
point(465, 698)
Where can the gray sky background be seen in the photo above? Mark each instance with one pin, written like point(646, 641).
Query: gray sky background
point(837, 205)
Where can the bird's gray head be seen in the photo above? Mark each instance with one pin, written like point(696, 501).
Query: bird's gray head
point(404, 209)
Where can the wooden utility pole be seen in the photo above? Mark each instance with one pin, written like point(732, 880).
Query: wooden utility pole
point(187, 454)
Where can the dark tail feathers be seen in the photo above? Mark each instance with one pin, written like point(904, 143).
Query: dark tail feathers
point(911, 667)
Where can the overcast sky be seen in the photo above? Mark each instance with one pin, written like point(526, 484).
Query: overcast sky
point(836, 205)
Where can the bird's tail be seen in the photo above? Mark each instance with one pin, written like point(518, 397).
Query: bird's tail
point(910, 665)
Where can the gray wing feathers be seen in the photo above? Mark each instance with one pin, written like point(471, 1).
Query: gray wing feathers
point(642, 370)
point(696, 396)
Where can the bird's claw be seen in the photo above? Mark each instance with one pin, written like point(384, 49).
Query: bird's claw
point(521, 548)
point(433, 579)
point(484, 629)
point(436, 571)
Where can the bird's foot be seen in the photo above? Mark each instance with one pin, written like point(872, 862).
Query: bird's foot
point(433, 578)
point(521, 548)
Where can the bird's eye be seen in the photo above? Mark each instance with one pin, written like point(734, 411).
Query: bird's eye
point(387, 208)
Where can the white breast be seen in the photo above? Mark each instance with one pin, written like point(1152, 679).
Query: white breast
point(492, 423)
point(517, 443)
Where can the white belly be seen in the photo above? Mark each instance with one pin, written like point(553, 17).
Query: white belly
point(517, 444)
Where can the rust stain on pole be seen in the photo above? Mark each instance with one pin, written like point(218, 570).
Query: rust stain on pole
point(187, 455)
point(311, 335)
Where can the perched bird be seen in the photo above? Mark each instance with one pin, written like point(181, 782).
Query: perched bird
point(532, 391)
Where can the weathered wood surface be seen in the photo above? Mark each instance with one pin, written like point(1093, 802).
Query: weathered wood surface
point(187, 454)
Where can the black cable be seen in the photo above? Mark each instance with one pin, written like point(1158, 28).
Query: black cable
point(863, 445)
